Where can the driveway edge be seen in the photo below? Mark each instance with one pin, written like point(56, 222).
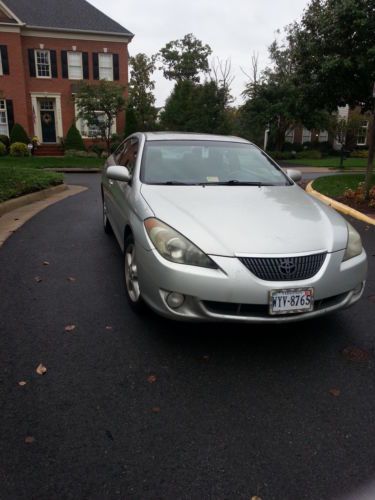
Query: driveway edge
point(340, 207)
point(21, 201)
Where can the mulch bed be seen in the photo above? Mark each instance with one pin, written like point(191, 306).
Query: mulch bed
point(360, 206)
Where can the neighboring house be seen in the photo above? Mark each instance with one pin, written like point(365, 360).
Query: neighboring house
point(301, 135)
point(46, 48)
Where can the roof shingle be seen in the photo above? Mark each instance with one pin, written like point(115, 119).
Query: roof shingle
point(68, 15)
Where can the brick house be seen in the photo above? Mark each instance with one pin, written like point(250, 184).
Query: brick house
point(46, 48)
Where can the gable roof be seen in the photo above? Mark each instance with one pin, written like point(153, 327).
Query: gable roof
point(69, 15)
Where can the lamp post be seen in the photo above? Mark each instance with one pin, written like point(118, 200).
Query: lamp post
point(266, 134)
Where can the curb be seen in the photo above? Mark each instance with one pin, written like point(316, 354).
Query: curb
point(340, 207)
point(74, 170)
point(21, 201)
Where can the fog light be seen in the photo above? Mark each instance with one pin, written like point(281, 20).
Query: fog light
point(175, 300)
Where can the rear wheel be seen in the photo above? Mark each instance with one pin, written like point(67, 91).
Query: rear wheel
point(106, 224)
point(133, 292)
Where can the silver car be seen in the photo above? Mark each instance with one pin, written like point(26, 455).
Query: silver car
point(212, 229)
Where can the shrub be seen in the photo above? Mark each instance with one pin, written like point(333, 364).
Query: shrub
point(293, 146)
point(97, 149)
point(18, 134)
point(3, 149)
point(5, 140)
point(19, 149)
point(280, 155)
point(361, 153)
point(74, 140)
point(312, 154)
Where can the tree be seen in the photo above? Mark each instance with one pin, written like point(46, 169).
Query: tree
point(184, 59)
point(99, 105)
point(334, 58)
point(141, 99)
point(73, 139)
point(18, 134)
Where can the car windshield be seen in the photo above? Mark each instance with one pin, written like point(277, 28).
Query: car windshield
point(208, 163)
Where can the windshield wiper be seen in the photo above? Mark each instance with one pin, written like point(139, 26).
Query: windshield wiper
point(173, 183)
point(235, 182)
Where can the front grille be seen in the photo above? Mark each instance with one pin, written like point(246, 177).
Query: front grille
point(284, 268)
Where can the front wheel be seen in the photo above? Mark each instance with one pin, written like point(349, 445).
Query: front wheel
point(133, 292)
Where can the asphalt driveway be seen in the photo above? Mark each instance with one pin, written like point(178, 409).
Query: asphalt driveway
point(142, 408)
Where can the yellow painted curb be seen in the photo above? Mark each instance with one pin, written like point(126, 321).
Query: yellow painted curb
point(340, 207)
point(21, 201)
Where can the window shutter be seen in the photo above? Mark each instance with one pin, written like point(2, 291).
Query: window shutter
point(4, 59)
point(64, 64)
point(10, 114)
point(95, 61)
point(116, 67)
point(85, 64)
point(32, 62)
point(53, 63)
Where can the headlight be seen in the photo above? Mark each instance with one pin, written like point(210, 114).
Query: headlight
point(354, 246)
point(174, 247)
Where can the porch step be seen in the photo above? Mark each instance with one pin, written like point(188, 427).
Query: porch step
point(49, 150)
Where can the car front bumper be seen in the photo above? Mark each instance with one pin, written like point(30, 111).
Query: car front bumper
point(233, 293)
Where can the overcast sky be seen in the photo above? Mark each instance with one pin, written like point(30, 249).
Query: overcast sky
point(234, 28)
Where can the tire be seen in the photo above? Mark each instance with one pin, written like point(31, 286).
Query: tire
point(132, 290)
point(106, 224)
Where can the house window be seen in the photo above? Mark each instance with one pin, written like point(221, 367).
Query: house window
point(106, 67)
point(323, 136)
point(306, 135)
point(362, 134)
point(289, 135)
point(4, 129)
point(75, 65)
point(43, 63)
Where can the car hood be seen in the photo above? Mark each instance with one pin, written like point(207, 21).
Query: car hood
point(232, 220)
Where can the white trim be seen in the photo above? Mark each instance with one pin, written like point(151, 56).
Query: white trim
point(108, 55)
point(58, 115)
point(49, 63)
point(10, 13)
point(75, 52)
point(71, 35)
point(364, 126)
point(5, 110)
point(9, 28)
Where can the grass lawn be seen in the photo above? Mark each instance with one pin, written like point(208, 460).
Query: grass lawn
point(41, 162)
point(330, 162)
point(335, 185)
point(16, 182)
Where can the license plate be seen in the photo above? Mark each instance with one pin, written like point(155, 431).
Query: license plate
point(291, 300)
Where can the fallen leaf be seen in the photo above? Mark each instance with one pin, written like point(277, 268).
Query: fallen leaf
point(109, 327)
point(71, 278)
point(29, 439)
point(70, 328)
point(45, 263)
point(41, 369)
point(155, 409)
point(353, 353)
point(22, 383)
point(38, 279)
point(334, 392)
point(151, 379)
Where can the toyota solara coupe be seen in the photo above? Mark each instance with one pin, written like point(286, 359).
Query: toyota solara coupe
point(212, 229)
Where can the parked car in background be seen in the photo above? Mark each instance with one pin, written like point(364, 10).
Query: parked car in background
point(212, 229)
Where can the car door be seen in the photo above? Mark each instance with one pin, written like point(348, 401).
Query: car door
point(121, 190)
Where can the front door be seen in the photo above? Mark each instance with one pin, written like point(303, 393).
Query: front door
point(47, 120)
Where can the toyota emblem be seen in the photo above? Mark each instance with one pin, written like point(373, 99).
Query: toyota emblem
point(287, 267)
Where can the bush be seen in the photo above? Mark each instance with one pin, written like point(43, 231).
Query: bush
point(280, 155)
point(3, 149)
point(19, 149)
point(18, 134)
point(97, 149)
point(77, 153)
point(5, 140)
point(293, 146)
point(74, 140)
point(361, 153)
point(312, 154)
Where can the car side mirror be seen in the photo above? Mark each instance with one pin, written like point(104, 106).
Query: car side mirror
point(118, 173)
point(295, 175)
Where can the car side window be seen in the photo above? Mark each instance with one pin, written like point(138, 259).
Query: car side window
point(129, 155)
point(120, 154)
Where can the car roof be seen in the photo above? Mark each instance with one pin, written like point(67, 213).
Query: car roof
point(191, 136)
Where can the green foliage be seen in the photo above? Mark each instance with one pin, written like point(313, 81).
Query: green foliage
point(3, 149)
point(19, 181)
point(19, 149)
point(131, 121)
point(184, 59)
point(73, 139)
point(359, 154)
point(336, 185)
point(309, 153)
point(5, 140)
point(141, 100)
point(99, 105)
point(196, 108)
point(18, 134)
